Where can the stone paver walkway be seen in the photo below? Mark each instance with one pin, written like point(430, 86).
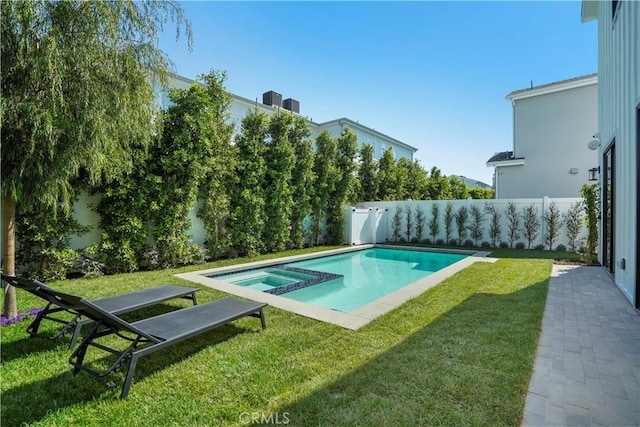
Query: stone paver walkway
point(587, 368)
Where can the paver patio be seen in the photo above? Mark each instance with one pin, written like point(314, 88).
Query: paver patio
point(587, 368)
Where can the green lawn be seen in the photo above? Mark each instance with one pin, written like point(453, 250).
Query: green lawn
point(459, 354)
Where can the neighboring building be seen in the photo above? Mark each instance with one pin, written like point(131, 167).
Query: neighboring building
point(366, 135)
point(619, 137)
point(551, 123)
point(472, 183)
point(272, 102)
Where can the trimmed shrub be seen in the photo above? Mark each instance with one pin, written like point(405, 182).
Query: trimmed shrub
point(440, 242)
point(434, 225)
point(469, 243)
point(461, 222)
point(420, 220)
point(150, 260)
point(494, 227)
point(59, 263)
point(553, 219)
point(539, 247)
point(409, 223)
point(561, 248)
point(486, 245)
point(449, 216)
point(574, 218)
point(89, 263)
point(396, 223)
point(197, 254)
point(520, 245)
point(477, 217)
point(530, 223)
point(513, 223)
point(504, 245)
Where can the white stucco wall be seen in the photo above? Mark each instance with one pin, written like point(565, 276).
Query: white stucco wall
point(551, 132)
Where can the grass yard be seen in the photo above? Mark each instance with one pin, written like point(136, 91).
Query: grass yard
point(459, 354)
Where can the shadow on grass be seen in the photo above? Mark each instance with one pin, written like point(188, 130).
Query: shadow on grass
point(30, 345)
point(12, 350)
point(470, 366)
point(29, 403)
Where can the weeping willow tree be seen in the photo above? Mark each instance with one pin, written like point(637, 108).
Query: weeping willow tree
point(76, 96)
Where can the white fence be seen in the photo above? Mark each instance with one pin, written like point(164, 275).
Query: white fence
point(371, 222)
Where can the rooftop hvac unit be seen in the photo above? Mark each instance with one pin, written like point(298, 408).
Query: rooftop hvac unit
point(272, 98)
point(292, 105)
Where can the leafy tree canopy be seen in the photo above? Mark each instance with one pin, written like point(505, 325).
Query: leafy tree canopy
point(367, 173)
point(76, 91)
point(76, 97)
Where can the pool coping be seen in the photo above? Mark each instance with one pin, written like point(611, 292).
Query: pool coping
point(354, 319)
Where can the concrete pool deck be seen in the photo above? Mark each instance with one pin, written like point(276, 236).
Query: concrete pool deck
point(352, 320)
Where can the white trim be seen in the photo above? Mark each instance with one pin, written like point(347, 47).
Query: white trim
point(500, 163)
point(353, 124)
point(556, 87)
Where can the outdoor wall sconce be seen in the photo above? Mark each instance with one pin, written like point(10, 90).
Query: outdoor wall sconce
point(593, 173)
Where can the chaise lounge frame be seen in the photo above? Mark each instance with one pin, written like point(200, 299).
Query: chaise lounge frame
point(117, 304)
point(149, 335)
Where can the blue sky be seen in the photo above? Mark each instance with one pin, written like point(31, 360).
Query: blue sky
point(431, 74)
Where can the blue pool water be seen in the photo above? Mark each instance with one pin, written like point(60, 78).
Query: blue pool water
point(347, 281)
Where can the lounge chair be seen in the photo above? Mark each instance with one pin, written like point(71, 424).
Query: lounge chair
point(118, 304)
point(152, 334)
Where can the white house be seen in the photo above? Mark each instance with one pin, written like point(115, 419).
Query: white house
point(619, 138)
point(471, 183)
point(549, 156)
point(272, 102)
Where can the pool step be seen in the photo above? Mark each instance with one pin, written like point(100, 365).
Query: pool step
point(318, 277)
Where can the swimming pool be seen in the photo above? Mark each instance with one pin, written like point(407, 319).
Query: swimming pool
point(339, 289)
point(344, 282)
